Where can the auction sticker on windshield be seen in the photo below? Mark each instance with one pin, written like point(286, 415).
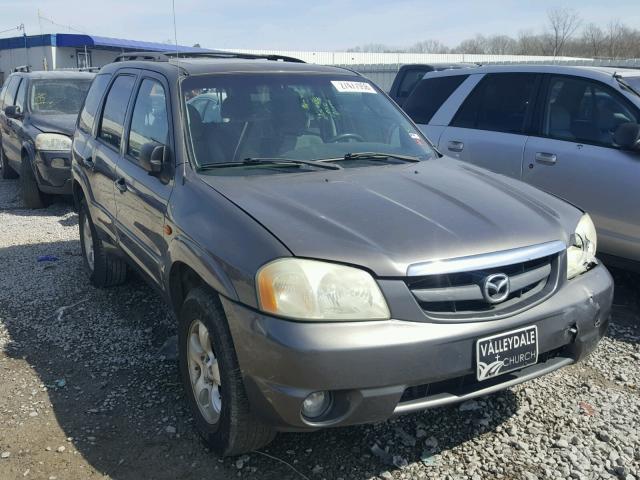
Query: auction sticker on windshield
point(352, 87)
point(506, 352)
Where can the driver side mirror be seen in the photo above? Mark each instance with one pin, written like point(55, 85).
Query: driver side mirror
point(627, 136)
point(152, 156)
point(13, 111)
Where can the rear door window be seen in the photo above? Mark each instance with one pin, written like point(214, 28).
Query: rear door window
point(501, 102)
point(586, 111)
point(92, 101)
point(115, 109)
point(429, 95)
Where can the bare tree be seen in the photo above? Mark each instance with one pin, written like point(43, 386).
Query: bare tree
point(429, 46)
point(563, 24)
point(478, 44)
point(615, 40)
point(593, 38)
point(501, 45)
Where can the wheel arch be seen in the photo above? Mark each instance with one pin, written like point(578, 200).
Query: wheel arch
point(189, 268)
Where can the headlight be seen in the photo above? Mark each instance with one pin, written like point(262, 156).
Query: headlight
point(312, 290)
point(53, 142)
point(582, 254)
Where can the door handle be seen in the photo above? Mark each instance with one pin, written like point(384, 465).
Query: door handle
point(546, 158)
point(121, 184)
point(455, 146)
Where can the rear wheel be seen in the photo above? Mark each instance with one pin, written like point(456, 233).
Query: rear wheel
point(212, 380)
point(5, 170)
point(104, 270)
point(31, 194)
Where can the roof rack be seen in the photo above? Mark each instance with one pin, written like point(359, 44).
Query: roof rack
point(23, 68)
point(166, 56)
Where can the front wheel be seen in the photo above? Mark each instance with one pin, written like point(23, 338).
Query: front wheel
point(31, 195)
point(212, 380)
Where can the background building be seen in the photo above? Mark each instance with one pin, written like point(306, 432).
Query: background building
point(62, 51)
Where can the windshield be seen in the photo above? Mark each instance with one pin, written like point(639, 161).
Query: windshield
point(60, 96)
point(302, 117)
point(634, 82)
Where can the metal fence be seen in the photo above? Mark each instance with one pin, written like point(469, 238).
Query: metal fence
point(381, 68)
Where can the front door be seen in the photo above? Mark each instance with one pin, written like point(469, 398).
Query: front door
point(11, 126)
point(142, 197)
point(577, 159)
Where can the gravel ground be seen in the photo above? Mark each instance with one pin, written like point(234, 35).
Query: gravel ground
point(86, 392)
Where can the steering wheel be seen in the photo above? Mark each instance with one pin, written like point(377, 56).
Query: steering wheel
point(345, 136)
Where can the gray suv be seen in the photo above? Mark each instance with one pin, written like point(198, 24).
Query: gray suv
point(326, 265)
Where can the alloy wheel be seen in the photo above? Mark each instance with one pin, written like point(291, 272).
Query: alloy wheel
point(204, 372)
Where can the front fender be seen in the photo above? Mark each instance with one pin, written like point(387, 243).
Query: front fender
point(31, 152)
point(183, 250)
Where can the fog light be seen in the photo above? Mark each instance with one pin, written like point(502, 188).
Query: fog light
point(58, 163)
point(316, 404)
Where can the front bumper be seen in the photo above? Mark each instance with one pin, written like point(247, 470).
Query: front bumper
point(54, 172)
point(377, 369)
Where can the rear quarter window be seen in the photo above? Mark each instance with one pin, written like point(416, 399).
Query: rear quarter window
point(410, 80)
point(429, 95)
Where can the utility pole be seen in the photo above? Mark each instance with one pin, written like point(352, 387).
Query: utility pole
point(26, 49)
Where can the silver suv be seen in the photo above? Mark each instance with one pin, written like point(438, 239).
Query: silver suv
point(571, 131)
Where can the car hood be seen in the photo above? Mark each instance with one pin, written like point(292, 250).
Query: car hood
point(386, 218)
point(63, 124)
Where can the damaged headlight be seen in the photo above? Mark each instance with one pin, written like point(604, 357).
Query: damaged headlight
point(53, 142)
point(313, 290)
point(582, 254)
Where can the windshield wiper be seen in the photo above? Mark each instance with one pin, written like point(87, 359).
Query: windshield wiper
point(270, 161)
point(624, 84)
point(375, 156)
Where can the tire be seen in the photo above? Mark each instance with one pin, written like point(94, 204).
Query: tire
point(104, 270)
point(236, 430)
point(6, 171)
point(31, 195)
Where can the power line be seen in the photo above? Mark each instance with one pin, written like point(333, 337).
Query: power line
point(69, 27)
point(19, 27)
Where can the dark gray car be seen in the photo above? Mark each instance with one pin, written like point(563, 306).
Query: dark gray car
point(326, 266)
point(38, 113)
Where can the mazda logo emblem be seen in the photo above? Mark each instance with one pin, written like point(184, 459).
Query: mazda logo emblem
point(496, 288)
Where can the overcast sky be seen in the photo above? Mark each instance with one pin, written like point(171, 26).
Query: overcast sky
point(303, 25)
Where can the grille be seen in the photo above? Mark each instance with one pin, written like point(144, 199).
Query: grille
point(466, 383)
point(459, 295)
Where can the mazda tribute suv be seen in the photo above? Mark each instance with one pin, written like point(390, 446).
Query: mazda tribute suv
point(326, 265)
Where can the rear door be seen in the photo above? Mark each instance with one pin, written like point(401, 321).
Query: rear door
point(107, 150)
point(490, 129)
point(141, 197)
point(575, 157)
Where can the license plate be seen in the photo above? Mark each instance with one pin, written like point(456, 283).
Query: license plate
point(506, 352)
